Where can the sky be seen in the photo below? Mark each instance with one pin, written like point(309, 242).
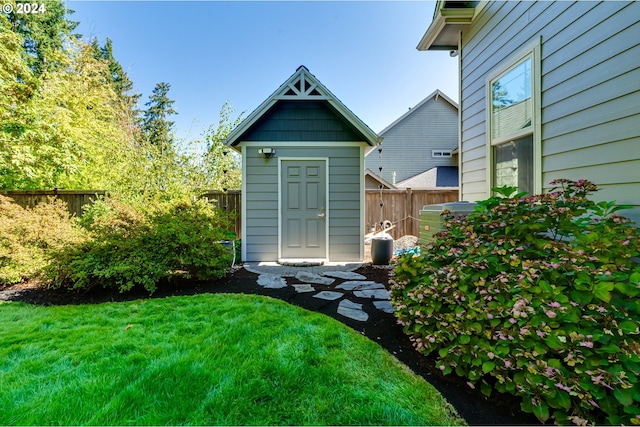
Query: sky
point(240, 52)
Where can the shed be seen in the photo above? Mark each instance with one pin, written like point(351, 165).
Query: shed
point(302, 176)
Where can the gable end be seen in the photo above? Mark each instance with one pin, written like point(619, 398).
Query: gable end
point(303, 120)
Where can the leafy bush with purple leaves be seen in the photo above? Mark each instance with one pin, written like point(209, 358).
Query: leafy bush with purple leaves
point(536, 296)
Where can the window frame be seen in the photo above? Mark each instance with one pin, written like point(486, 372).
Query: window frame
point(531, 51)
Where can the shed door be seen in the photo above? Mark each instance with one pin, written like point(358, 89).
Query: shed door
point(303, 209)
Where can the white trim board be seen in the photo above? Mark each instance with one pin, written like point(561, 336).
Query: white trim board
point(243, 201)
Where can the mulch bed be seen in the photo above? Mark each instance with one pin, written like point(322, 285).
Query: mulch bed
point(381, 327)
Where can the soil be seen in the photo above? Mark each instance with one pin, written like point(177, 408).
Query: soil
point(382, 328)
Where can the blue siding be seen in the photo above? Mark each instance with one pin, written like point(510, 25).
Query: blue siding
point(302, 121)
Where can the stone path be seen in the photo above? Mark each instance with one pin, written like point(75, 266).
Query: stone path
point(330, 283)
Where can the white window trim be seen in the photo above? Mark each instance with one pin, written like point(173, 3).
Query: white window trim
point(533, 50)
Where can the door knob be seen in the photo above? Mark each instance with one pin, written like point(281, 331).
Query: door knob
point(321, 215)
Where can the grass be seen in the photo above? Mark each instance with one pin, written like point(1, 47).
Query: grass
point(201, 360)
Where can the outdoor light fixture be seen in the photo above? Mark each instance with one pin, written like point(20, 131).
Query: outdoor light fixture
point(267, 152)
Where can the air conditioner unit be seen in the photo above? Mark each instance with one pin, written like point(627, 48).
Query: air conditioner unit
point(431, 218)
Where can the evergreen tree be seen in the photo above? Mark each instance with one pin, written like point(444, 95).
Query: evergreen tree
point(118, 79)
point(44, 34)
point(157, 129)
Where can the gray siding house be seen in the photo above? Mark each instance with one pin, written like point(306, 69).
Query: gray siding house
point(302, 176)
point(421, 139)
point(548, 89)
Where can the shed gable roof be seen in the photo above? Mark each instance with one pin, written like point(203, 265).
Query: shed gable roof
point(380, 180)
point(302, 86)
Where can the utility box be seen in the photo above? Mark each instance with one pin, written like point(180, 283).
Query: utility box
point(431, 218)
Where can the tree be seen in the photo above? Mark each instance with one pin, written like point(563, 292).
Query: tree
point(69, 133)
point(222, 163)
point(43, 34)
point(157, 129)
point(118, 78)
point(121, 84)
point(17, 83)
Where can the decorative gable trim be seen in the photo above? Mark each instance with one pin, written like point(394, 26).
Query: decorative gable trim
point(302, 86)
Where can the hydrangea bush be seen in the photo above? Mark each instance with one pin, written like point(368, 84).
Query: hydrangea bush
point(536, 296)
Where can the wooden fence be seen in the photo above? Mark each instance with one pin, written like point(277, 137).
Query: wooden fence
point(75, 199)
point(230, 202)
point(402, 207)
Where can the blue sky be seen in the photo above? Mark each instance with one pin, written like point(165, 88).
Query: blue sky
point(241, 51)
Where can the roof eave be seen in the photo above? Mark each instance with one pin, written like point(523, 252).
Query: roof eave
point(444, 28)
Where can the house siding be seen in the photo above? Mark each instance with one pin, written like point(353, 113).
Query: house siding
point(590, 91)
point(407, 145)
point(343, 213)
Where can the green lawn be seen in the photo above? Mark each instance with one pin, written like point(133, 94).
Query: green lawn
point(203, 360)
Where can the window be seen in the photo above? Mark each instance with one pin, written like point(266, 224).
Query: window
point(440, 153)
point(514, 164)
point(513, 147)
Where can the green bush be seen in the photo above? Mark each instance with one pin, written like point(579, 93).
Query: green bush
point(536, 296)
point(131, 246)
point(29, 236)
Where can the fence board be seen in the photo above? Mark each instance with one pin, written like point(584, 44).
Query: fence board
point(402, 207)
point(75, 199)
point(230, 202)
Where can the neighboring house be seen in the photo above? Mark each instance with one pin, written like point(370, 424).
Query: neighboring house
point(548, 90)
point(373, 181)
point(302, 176)
point(441, 177)
point(421, 139)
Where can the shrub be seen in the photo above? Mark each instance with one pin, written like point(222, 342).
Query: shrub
point(131, 246)
point(535, 296)
point(28, 237)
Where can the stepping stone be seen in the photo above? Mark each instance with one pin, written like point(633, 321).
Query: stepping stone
point(328, 295)
point(372, 293)
point(352, 310)
point(347, 275)
point(384, 306)
point(303, 276)
point(304, 288)
point(360, 285)
point(346, 303)
point(271, 281)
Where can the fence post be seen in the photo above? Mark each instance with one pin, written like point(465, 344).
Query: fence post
point(408, 213)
